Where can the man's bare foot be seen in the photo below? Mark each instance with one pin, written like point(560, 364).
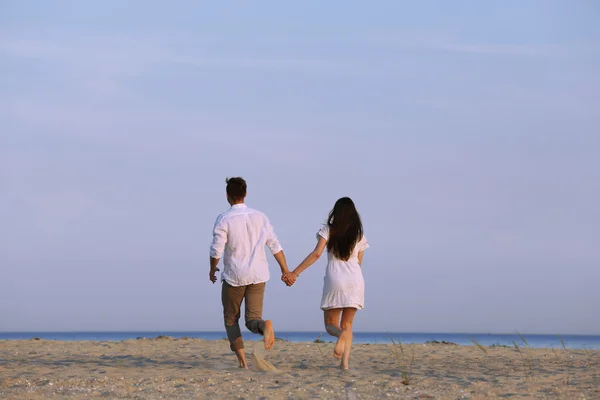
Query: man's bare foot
point(340, 346)
point(241, 356)
point(344, 365)
point(269, 335)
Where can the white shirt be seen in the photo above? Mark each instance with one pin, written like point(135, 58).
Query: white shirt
point(240, 236)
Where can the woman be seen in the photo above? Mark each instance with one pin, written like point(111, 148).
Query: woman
point(344, 288)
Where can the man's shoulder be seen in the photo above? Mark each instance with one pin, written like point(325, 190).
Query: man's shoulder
point(257, 213)
point(223, 216)
point(231, 214)
point(254, 211)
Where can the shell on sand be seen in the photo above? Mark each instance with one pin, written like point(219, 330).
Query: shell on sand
point(261, 364)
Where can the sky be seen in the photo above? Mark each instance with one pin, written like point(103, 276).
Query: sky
point(467, 133)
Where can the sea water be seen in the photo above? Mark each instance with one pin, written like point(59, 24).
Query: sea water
point(591, 342)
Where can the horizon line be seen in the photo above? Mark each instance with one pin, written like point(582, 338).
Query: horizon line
point(305, 331)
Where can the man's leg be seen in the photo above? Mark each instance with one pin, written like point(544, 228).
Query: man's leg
point(254, 296)
point(232, 297)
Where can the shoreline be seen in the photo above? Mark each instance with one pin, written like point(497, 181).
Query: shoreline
point(161, 332)
point(519, 341)
point(190, 368)
point(281, 340)
point(491, 341)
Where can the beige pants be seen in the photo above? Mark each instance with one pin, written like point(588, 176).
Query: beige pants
point(232, 297)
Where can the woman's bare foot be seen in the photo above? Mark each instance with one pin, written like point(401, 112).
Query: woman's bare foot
point(269, 335)
point(243, 365)
point(340, 346)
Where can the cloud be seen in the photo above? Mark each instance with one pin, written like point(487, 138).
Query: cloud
point(447, 43)
point(500, 49)
point(315, 65)
point(129, 56)
point(27, 48)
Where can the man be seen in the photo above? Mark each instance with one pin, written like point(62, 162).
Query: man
point(240, 236)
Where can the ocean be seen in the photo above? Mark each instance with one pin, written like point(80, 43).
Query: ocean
point(591, 342)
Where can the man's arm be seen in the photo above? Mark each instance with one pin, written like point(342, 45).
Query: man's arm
point(275, 247)
point(217, 247)
point(272, 240)
point(280, 258)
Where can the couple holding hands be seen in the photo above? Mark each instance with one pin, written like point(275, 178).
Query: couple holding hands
point(239, 238)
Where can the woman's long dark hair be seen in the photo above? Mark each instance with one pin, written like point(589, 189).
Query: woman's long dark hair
point(345, 228)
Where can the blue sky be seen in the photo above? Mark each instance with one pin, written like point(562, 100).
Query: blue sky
point(467, 133)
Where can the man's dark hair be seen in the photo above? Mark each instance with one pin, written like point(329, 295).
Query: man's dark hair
point(236, 188)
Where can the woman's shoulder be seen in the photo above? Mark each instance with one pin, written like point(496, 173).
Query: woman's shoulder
point(323, 232)
point(363, 243)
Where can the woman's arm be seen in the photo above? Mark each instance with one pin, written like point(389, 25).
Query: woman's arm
point(311, 258)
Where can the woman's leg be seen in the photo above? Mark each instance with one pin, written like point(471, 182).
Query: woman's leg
point(346, 325)
point(332, 325)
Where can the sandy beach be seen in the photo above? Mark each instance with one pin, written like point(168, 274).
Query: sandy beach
point(193, 368)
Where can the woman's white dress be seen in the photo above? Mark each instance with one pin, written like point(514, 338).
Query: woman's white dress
point(344, 285)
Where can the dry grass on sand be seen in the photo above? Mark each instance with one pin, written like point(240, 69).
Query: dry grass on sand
point(194, 368)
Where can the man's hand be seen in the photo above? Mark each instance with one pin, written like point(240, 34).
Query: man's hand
point(213, 269)
point(212, 276)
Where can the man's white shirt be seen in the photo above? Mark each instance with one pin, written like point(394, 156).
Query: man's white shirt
point(239, 238)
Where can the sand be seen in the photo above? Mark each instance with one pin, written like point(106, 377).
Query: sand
point(194, 368)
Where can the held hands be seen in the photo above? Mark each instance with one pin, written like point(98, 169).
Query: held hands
point(289, 278)
point(212, 276)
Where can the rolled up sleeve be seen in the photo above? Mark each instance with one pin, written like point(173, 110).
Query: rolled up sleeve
point(219, 239)
point(272, 240)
